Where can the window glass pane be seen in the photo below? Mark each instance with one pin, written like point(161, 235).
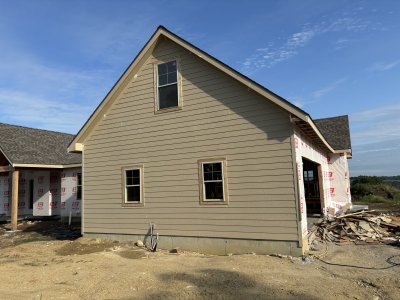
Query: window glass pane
point(217, 175)
point(171, 66)
point(136, 176)
point(79, 175)
point(214, 190)
point(162, 69)
point(172, 77)
point(133, 194)
point(217, 167)
point(207, 172)
point(162, 79)
point(207, 168)
point(212, 171)
point(168, 96)
point(129, 177)
point(167, 73)
point(132, 177)
point(207, 176)
point(79, 193)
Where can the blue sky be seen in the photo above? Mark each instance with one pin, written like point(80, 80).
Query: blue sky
point(58, 59)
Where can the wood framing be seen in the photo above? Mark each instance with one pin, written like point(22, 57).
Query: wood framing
point(14, 200)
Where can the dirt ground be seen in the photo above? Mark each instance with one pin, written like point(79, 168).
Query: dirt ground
point(48, 261)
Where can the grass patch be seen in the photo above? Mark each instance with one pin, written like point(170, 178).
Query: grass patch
point(374, 199)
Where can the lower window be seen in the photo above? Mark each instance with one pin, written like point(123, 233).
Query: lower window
point(133, 186)
point(213, 187)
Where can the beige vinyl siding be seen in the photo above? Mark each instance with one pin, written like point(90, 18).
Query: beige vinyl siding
point(219, 118)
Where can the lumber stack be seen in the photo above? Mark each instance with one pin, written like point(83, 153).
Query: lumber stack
point(361, 227)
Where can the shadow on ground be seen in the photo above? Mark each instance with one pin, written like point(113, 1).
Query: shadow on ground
point(35, 231)
point(53, 229)
point(219, 284)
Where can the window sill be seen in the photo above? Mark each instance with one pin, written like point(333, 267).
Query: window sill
point(213, 202)
point(169, 109)
point(124, 204)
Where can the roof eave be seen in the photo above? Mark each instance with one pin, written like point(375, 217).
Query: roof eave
point(45, 166)
point(309, 128)
point(347, 151)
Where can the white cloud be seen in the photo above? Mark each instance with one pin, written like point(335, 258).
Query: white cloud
point(341, 43)
point(378, 113)
point(381, 158)
point(22, 108)
point(377, 150)
point(380, 66)
point(272, 54)
point(376, 125)
point(375, 135)
point(46, 96)
point(325, 90)
point(352, 24)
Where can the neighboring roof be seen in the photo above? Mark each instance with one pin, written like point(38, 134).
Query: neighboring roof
point(24, 145)
point(303, 118)
point(336, 131)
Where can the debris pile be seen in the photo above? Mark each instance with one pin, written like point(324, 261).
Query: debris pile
point(360, 228)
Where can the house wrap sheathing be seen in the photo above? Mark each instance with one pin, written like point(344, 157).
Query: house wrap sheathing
point(47, 173)
point(53, 194)
point(335, 185)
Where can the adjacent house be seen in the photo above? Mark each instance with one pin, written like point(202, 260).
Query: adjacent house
point(38, 173)
point(217, 162)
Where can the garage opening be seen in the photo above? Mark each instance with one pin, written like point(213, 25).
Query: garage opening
point(311, 175)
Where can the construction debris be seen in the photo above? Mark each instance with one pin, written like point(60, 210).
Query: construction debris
point(360, 228)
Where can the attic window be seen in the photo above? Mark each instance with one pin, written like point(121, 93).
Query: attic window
point(167, 85)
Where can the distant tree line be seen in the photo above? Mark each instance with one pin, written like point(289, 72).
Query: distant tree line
point(375, 188)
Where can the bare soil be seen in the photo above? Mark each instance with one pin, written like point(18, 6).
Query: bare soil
point(48, 261)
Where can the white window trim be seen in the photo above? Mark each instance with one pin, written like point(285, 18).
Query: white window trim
point(126, 203)
point(157, 108)
point(203, 199)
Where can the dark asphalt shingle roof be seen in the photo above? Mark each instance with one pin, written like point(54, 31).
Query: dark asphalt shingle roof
point(336, 131)
point(24, 145)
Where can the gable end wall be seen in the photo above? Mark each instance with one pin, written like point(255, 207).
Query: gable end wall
point(220, 118)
